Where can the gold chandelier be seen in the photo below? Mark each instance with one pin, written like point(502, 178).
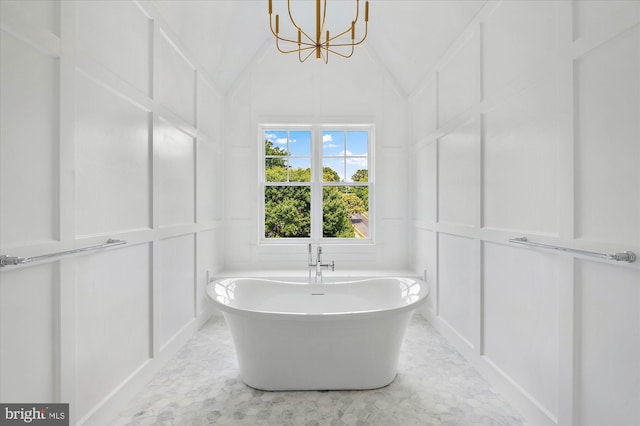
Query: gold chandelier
point(306, 45)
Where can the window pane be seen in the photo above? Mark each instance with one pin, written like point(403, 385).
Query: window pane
point(333, 170)
point(345, 212)
point(299, 170)
point(358, 143)
point(357, 169)
point(275, 142)
point(300, 143)
point(275, 170)
point(287, 211)
point(332, 142)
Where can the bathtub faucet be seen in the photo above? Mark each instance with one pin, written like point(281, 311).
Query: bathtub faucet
point(318, 265)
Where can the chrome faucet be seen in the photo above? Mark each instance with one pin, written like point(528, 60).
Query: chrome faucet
point(318, 265)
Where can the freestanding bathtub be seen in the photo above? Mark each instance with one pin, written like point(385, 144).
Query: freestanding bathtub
point(299, 336)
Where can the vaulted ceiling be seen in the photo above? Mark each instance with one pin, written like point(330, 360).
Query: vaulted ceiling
point(407, 36)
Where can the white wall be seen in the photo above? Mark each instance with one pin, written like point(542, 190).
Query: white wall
point(275, 88)
point(109, 130)
point(530, 125)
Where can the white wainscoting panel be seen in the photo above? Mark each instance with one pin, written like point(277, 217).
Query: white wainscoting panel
point(176, 286)
point(458, 82)
point(519, 38)
point(39, 14)
point(207, 256)
point(456, 293)
point(390, 166)
point(608, 344)
point(29, 134)
point(520, 318)
point(457, 165)
point(177, 174)
point(423, 111)
point(425, 181)
point(210, 168)
point(394, 111)
point(520, 161)
point(29, 330)
point(176, 80)
point(210, 111)
point(117, 35)
point(113, 159)
point(607, 132)
point(426, 259)
point(113, 290)
point(597, 17)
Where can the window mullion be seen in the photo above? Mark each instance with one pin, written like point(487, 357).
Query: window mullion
point(316, 184)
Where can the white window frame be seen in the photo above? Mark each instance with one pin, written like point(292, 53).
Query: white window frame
point(316, 183)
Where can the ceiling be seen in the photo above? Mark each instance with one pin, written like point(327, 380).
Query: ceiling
point(408, 36)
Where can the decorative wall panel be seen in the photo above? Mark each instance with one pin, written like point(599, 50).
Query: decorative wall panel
point(518, 40)
point(520, 161)
point(458, 82)
point(520, 318)
point(608, 349)
point(28, 326)
point(176, 166)
point(176, 286)
point(118, 36)
point(113, 159)
point(114, 319)
point(29, 114)
point(457, 181)
point(608, 133)
point(176, 81)
point(456, 292)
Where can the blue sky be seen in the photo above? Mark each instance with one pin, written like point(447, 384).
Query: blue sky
point(343, 151)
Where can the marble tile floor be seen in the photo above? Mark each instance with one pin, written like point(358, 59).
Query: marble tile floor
point(434, 386)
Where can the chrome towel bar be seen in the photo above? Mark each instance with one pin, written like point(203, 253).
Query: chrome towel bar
point(12, 260)
point(627, 256)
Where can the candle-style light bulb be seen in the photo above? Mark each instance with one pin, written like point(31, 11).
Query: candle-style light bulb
point(366, 11)
point(299, 37)
point(353, 30)
point(270, 7)
point(277, 24)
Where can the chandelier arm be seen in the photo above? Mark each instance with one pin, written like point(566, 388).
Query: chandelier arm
point(293, 21)
point(342, 54)
point(325, 59)
point(291, 51)
point(286, 39)
point(340, 35)
point(306, 57)
point(355, 43)
point(324, 13)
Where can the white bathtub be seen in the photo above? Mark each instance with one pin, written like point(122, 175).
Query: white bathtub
point(299, 336)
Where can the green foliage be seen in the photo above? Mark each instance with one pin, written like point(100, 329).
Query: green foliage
point(336, 216)
point(361, 175)
point(275, 173)
point(330, 175)
point(353, 203)
point(270, 149)
point(300, 175)
point(287, 211)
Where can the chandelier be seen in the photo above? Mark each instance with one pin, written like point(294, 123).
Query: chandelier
point(306, 45)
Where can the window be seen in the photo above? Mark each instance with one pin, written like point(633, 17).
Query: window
point(316, 182)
